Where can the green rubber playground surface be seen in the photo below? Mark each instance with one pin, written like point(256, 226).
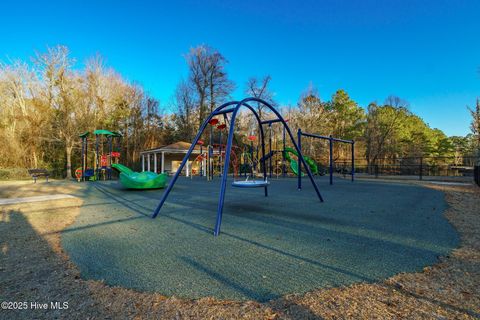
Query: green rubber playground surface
point(269, 247)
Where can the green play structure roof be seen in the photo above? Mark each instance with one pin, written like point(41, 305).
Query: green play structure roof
point(101, 132)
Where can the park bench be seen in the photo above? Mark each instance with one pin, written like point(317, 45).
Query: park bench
point(35, 173)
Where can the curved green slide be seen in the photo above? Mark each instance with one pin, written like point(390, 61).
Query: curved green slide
point(140, 180)
point(294, 163)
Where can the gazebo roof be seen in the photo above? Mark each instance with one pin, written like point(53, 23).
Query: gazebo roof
point(177, 147)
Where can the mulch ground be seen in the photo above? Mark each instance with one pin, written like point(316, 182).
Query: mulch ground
point(34, 267)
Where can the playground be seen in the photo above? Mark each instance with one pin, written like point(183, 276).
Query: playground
point(267, 244)
point(286, 251)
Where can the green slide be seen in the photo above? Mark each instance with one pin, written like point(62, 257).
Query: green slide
point(294, 163)
point(140, 180)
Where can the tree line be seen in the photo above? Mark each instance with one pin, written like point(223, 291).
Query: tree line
point(47, 103)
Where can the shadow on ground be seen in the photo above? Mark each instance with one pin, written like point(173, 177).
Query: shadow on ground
point(32, 272)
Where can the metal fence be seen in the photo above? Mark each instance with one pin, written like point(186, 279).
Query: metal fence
point(416, 167)
point(476, 175)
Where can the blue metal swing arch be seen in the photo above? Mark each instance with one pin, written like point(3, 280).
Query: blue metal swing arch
point(221, 110)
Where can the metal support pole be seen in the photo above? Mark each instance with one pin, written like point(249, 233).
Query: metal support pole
point(257, 163)
point(83, 159)
point(110, 150)
point(97, 159)
point(353, 160)
point(210, 155)
point(143, 162)
point(220, 153)
point(262, 136)
point(86, 157)
point(299, 165)
point(180, 168)
point(201, 162)
point(270, 149)
point(210, 163)
point(284, 166)
point(148, 161)
point(330, 140)
point(119, 145)
point(228, 151)
point(252, 167)
point(302, 159)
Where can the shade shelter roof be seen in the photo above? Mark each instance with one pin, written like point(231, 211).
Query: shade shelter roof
point(177, 147)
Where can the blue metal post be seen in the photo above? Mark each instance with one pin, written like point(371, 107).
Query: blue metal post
point(330, 142)
point(83, 158)
point(110, 147)
point(210, 162)
point(210, 154)
point(251, 158)
point(97, 160)
point(86, 157)
point(201, 163)
point(299, 165)
point(257, 163)
point(353, 160)
point(307, 168)
point(284, 166)
point(220, 152)
point(262, 137)
point(270, 149)
point(228, 151)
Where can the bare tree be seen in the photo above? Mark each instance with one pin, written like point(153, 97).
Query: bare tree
point(185, 111)
point(220, 86)
point(311, 116)
point(259, 88)
point(209, 78)
point(61, 94)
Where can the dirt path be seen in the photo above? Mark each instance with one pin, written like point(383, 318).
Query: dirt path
point(33, 267)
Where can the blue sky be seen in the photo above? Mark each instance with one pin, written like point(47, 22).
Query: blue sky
point(427, 52)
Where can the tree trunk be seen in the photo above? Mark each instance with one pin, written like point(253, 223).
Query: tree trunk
point(68, 150)
point(35, 159)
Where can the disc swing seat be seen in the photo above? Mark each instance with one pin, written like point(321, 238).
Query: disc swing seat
point(233, 107)
point(250, 183)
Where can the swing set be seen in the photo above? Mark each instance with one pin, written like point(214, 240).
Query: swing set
point(233, 108)
point(331, 141)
